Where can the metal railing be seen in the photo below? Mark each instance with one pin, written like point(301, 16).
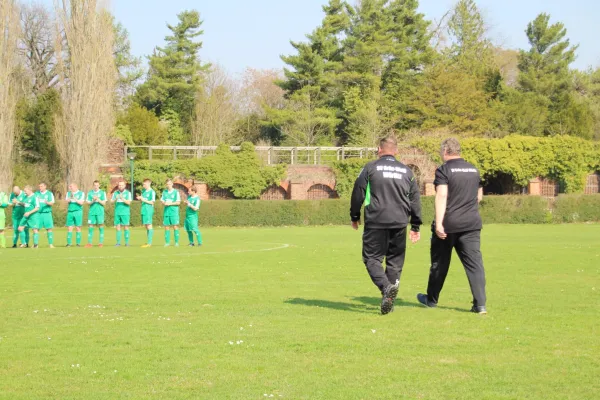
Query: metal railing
point(271, 155)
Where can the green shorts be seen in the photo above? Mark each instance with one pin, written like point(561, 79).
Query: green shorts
point(29, 222)
point(191, 223)
point(75, 218)
point(46, 221)
point(172, 220)
point(122, 220)
point(16, 219)
point(2, 221)
point(95, 219)
point(147, 219)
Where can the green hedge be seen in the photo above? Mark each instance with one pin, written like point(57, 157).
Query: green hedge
point(494, 210)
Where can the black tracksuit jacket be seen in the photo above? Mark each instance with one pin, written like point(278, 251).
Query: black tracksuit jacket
point(390, 194)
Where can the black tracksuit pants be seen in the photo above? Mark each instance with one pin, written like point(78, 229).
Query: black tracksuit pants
point(467, 245)
point(384, 243)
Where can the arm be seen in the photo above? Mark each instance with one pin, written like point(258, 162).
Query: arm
point(3, 201)
point(128, 199)
point(358, 197)
point(90, 198)
point(81, 201)
point(177, 201)
point(102, 199)
point(441, 200)
point(480, 195)
point(36, 209)
point(51, 201)
point(415, 206)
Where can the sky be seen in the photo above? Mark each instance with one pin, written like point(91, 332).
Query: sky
point(243, 33)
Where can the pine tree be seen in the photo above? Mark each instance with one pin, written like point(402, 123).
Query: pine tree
point(175, 71)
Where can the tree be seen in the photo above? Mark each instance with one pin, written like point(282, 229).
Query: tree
point(217, 110)
point(88, 82)
point(128, 67)
point(175, 71)
point(38, 46)
point(144, 127)
point(9, 26)
point(302, 122)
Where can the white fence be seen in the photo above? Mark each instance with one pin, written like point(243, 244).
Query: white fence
point(270, 155)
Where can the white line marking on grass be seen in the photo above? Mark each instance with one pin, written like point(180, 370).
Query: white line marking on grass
point(172, 255)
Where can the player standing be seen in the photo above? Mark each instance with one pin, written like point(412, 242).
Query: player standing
point(148, 198)
point(191, 216)
point(3, 205)
point(122, 198)
point(171, 199)
point(16, 199)
point(31, 206)
point(75, 199)
point(45, 219)
point(96, 198)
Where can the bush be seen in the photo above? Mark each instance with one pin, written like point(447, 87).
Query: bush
point(238, 213)
point(577, 208)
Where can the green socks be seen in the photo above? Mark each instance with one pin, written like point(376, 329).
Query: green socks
point(15, 237)
point(51, 238)
point(69, 238)
point(119, 237)
point(36, 239)
point(126, 237)
point(22, 234)
point(190, 236)
point(150, 234)
point(176, 235)
point(90, 234)
point(78, 238)
point(101, 235)
point(26, 235)
point(167, 237)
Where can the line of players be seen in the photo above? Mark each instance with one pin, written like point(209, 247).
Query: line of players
point(33, 211)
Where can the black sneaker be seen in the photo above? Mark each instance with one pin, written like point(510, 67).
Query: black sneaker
point(35, 246)
point(481, 310)
point(191, 245)
point(424, 300)
point(389, 296)
point(14, 246)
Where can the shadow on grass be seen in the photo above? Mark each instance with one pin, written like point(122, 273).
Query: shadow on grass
point(361, 304)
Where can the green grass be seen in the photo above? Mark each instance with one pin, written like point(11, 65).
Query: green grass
point(131, 323)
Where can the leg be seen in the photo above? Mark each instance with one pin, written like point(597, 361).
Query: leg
point(22, 235)
point(91, 234)
point(2, 239)
point(69, 235)
point(375, 244)
point(27, 235)
point(50, 235)
point(101, 235)
point(394, 258)
point(36, 237)
point(441, 254)
point(127, 235)
point(149, 234)
point(176, 234)
point(118, 227)
point(78, 235)
point(468, 247)
point(198, 236)
point(167, 235)
point(15, 230)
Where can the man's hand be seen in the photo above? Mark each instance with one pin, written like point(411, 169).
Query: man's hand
point(355, 225)
point(139, 197)
point(15, 201)
point(26, 215)
point(440, 232)
point(415, 236)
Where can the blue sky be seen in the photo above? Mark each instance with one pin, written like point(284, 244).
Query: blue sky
point(243, 33)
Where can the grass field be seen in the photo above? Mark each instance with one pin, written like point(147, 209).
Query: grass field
point(291, 313)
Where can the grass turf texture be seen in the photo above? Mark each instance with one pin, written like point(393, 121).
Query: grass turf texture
point(246, 316)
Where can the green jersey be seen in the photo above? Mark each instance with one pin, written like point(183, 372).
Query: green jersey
point(148, 195)
point(18, 209)
point(45, 198)
point(122, 208)
point(94, 198)
point(73, 198)
point(173, 197)
point(195, 202)
point(31, 203)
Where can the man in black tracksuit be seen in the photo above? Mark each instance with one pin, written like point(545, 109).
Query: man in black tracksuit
point(457, 226)
point(391, 197)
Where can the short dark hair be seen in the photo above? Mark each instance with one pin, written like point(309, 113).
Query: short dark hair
point(389, 143)
point(169, 180)
point(451, 146)
point(194, 189)
point(43, 183)
point(98, 182)
point(147, 180)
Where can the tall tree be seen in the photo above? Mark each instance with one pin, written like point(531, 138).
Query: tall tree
point(9, 26)
point(175, 71)
point(88, 82)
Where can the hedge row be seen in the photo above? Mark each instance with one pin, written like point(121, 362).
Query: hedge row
point(494, 210)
